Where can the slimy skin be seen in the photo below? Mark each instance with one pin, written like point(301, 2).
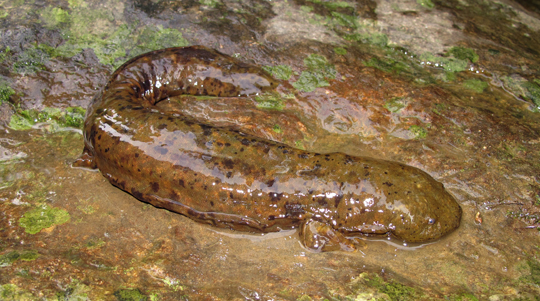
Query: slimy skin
point(228, 179)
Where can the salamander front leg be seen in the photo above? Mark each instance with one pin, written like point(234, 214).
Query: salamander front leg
point(321, 237)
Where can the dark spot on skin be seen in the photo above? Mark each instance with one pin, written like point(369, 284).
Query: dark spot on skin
point(192, 212)
point(219, 144)
point(285, 151)
point(294, 209)
point(388, 184)
point(212, 203)
point(229, 174)
point(122, 185)
point(245, 141)
point(337, 200)
point(228, 163)
point(271, 217)
point(136, 155)
point(137, 194)
point(303, 156)
point(162, 126)
point(99, 137)
point(207, 131)
point(231, 195)
point(322, 201)
point(227, 144)
point(155, 186)
point(181, 183)
point(242, 149)
point(275, 197)
point(270, 183)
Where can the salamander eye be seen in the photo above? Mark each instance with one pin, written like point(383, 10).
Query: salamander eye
point(431, 221)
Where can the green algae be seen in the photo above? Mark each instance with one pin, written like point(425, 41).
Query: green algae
point(80, 31)
point(373, 287)
point(319, 71)
point(533, 92)
point(426, 3)
point(389, 65)
point(332, 5)
point(74, 292)
point(476, 85)
point(39, 218)
point(54, 17)
point(11, 257)
point(282, 72)
point(31, 60)
point(340, 51)
point(5, 91)
point(11, 292)
point(277, 129)
point(130, 295)
point(94, 244)
point(111, 47)
point(450, 64)
point(375, 38)
point(345, 20)
point(96, 28)
point(209, 3)
point(395, 104)
point(56, 118)
point(519, 86)
point(154, 38)
point(418, 131)
point(309, 81)
point(318, 63)
point(306, 9)
point(173, 284)
point(534, 272)
point(270, 101)
point(456, 59)
point(464, 53)
point(5, 54)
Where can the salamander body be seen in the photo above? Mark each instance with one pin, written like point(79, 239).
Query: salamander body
point(228, 179)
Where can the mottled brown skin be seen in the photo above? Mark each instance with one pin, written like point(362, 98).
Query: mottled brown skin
point(228, 179)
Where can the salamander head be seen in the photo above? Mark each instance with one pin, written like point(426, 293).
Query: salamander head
point(435, 214)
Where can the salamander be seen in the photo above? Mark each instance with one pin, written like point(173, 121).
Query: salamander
point(222, 177)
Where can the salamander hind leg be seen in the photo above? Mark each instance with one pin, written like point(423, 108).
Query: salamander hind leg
point(85, 160)
point(321, 237)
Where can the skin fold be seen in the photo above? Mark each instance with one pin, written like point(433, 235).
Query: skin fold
point(229, 179)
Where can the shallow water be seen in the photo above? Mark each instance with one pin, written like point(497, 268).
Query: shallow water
point(471, 122)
